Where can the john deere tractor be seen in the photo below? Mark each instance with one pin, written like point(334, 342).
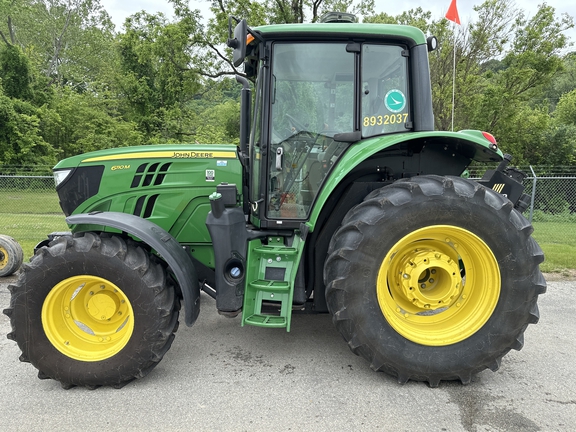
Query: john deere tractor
point(340, 198)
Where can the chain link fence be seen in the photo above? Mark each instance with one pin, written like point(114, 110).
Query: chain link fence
point(552, 192)
point(29, 207)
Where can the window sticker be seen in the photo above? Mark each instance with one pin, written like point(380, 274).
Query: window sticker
point(395, 101)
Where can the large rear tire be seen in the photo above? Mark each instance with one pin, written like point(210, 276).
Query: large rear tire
point(11, 255)
point(92, 311)
point(433, 278)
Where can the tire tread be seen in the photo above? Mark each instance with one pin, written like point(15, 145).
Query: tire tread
point(165, 303)
point(345, 243)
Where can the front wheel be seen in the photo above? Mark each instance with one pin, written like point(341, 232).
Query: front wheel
point(93, 310)
point(433, 278)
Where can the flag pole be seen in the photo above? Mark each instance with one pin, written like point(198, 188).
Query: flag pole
point(453, 75)
point(452, 15)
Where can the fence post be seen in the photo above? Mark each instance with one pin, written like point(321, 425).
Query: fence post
point(533, 193)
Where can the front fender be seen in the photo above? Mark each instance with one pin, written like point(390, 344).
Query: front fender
point(163, 243)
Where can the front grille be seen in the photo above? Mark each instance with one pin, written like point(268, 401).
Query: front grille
point(81, 185)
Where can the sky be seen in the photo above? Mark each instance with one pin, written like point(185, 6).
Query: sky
point(119, 10)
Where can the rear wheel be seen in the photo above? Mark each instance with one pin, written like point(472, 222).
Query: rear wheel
point(11, 255)
point(93, 311)
point(433, 278)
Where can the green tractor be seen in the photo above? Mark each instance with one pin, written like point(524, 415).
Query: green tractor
point(340, 198)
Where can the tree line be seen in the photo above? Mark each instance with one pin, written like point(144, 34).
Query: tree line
point(71, 83)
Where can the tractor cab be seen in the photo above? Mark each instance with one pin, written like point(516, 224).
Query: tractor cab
point(319, 88)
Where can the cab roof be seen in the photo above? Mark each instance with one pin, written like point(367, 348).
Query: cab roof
point(412, 35)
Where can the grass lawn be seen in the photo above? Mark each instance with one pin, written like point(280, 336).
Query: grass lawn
point(558, 241)
point(29, 216)
point(30, 229)
point(24, 201)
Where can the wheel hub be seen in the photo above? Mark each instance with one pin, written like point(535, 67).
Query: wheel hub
point(430, 279)
point(103, 306)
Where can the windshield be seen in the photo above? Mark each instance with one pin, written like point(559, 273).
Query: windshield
point(312, 99)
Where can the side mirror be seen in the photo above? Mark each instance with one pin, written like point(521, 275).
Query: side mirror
point(239, 41)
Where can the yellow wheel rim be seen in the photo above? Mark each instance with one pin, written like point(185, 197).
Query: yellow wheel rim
point(3, 258)
point(87, 318)
point(425, 296)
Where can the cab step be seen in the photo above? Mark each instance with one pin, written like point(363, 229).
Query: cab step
point(270, 288)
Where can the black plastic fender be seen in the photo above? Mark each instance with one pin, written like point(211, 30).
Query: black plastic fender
point(163, 243)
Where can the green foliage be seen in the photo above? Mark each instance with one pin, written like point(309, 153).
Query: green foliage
point(413, 17)
point(69, 41)
point(15, 72)
point(86, 122)
point(564, 81)
point(154, 75)
point(566, 109)
point(71, 84)
point(21, 141)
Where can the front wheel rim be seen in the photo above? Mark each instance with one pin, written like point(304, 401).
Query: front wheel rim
point(87, 318)
point(438, 285)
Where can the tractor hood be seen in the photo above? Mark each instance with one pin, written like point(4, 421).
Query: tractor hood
point(146, 181)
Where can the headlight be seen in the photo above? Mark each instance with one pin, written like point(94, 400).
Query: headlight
point(61, 175)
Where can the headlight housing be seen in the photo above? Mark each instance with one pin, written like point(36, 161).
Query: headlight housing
point(61, 175)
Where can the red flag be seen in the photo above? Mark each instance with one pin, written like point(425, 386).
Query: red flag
point(452, 13)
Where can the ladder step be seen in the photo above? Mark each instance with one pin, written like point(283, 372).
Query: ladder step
point(270, 285)
point(261, 320)
point(274, 250)
point(277, 292)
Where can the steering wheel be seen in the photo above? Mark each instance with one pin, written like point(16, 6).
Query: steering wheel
point(296, 124)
